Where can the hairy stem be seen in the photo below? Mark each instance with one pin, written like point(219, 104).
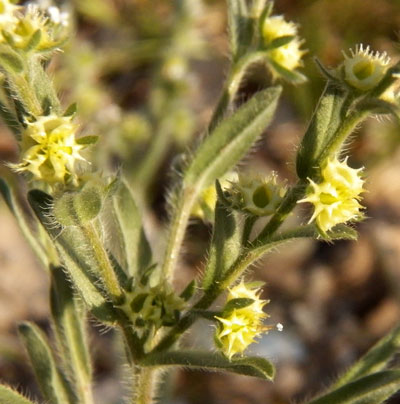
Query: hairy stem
point(180, 218)
point(187, 196)
point(107, 272)
point(285, 208)
point(248, 257)
point(145, 383)
point(232, 85)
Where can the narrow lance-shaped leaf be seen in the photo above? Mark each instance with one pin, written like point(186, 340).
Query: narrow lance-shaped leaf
point(248, 366)
point(231, 140)
point(9, 396)
point(376, 359)
point(76, 254)
point(69, 325)
point(16, 209)
point(135, 245)
point(371, 389)
point(225, 243)
point(52, 383)
point(324, 122)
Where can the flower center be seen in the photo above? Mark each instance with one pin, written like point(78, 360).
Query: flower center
point(363, 69)
point(327, 199)
point(261, 197)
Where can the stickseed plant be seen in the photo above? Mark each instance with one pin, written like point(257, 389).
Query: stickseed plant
point(76, 211)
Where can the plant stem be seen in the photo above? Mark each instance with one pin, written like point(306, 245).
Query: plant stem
point(249, 256)
point(344, 130)
point(287, 205)
point(187, 195)
point(180, 218)
point(232, 86)
point(107, 272)
point(144, 174)
point(145, 382)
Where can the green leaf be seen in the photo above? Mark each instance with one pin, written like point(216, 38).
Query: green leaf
point(371, 389)
point(324, 122)
point(34, 41)
point(238, 303)
point(248, 366)
point(292, 76)
point(231, 140)
point(225, 243)
point(77, 255)
point(11, 61)
point(87, 140)
point(136, 248)
point(9, 396)
point(71, 110)
point(376, 359)
point(281, 41)
point(11, 120)
point(23, 222)
point(341, 232)
point(51, 381)
point(69, 325)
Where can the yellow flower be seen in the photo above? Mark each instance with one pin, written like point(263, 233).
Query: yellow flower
point(364, 70)
point(50, 150)
point(7, 14)
point(257, 195)
point(239, 328)
point(288, 56)
point(52, 34)
point(336, 198)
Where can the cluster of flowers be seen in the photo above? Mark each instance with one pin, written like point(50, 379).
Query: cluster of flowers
point(49, 148)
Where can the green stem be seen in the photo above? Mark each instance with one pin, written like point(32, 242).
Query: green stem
point(107, 272)
point(232, 85)
point(285, 208)
point(344, 130)
point(145, 381)
point(180, 218)
point(247, 228)
point(144, 174)
point(187, 196)
point(248, 257)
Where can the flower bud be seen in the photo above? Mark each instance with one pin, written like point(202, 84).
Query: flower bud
point(257, 195)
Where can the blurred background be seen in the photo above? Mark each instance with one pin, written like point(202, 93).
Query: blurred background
point(146, 75)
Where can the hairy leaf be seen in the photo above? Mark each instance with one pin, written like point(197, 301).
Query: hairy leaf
point(324, 122)
point(76, 254)
point(52, 383)
point(231, 140)
point(69, 325)
point(248, 366)
point(376, 359)
point(10, 396)
point(23, 222)
point(225, 244)
point(371, 389)
point(135, 245)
